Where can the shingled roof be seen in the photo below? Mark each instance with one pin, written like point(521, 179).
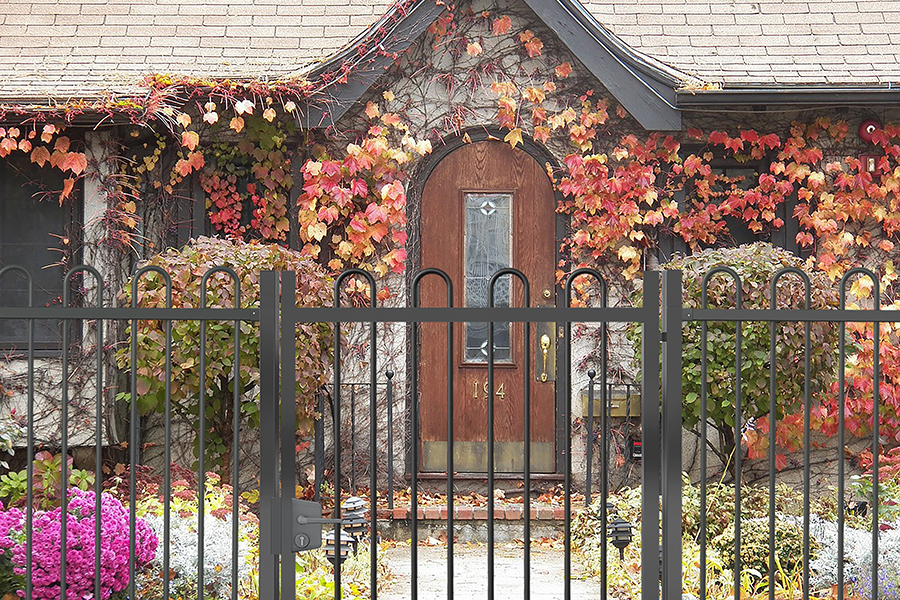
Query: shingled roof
point(739, 42)
point(54, 50)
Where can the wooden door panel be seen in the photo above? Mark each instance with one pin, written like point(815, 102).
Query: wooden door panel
point(478, 174)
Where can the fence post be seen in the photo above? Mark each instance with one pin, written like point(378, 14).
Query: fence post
point(268, 425)
point(671, 436)
point(650, 433)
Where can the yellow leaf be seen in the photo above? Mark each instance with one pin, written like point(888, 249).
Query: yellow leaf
point(474, 49)
point(514, 137)
point(269, 114)
point(388, 96)
point(628, 253)
point(184, 119)
point(317, 230)
point(237, 124)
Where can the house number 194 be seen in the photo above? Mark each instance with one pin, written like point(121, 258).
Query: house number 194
point(500, 393)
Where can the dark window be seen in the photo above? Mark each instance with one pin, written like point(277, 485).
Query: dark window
point(33, 229)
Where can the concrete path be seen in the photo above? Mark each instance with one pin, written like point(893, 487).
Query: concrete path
point(470, 573)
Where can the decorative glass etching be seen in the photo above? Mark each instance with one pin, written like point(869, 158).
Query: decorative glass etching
point(488, 248)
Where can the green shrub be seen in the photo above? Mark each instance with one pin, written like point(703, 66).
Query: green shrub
point(186, 267)
point(756, 264)
point(755, 545)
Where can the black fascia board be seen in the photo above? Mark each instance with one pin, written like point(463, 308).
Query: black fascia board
point(801, 96)
point(329, 104)
point(646, 92)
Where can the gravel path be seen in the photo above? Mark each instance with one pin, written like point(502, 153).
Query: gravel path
point(470, 573)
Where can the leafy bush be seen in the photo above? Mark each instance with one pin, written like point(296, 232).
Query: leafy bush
point(756, 264)
point(186, 267)
point(46, 481)
point(755, 545)
point(47, 540)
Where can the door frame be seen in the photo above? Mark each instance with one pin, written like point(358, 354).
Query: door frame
point(414, 258)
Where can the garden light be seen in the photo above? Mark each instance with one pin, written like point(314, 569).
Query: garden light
point(335, 555)
point(354, 522)
point(619, 531)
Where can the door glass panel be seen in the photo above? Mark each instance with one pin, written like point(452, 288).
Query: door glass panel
point(488, 248)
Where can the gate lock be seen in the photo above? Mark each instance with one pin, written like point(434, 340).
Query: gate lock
point(306, 525)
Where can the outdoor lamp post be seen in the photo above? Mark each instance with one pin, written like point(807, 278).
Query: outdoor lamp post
point(337, 555)
point(619, 531)
point(354, 510)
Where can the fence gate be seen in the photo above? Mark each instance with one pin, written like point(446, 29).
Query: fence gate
point(289, 526)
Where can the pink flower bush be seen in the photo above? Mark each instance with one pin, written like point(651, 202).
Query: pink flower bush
point(47, 541)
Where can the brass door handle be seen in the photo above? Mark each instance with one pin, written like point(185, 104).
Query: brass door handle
point(545, 347)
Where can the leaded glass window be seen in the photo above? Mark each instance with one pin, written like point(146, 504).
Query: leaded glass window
point(488, 248)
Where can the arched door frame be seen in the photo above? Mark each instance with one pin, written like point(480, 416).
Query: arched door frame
point(414, 254)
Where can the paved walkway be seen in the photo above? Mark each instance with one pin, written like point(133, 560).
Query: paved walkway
point(470, 573)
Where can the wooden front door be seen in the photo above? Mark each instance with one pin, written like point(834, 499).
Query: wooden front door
point(486, 206)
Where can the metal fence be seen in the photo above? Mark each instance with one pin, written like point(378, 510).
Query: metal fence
point(661, 421)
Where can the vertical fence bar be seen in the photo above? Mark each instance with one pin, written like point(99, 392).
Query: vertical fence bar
point(450, 435)
point(98, 439)
point(167, 453)
point(64, 458)
point(336, 438)
point(671, 436)
point(773, 423)
point(373, 471)
point(840, 451)
point(353, 439)
point(268, 425)
point(807, 477)
point(589, 450)
point(390, 438)
point(526, 583)
point(876, 376)
point(704, 326)
point(650, 427)
point(490, 457)
point(132, 445)
point(288, 433)
point(29, 467)
point(319, 441)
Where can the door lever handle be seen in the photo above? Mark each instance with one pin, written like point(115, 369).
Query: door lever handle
point(545, 347)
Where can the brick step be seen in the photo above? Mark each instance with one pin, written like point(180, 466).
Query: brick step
point(477, 513)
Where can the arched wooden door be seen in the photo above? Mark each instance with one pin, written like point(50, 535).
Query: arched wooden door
point(486, 206)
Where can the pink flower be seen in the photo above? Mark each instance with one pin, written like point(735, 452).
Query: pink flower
point(80, 541)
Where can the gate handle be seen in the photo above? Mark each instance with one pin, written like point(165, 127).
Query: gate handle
point(545, 346)
point(316, 521)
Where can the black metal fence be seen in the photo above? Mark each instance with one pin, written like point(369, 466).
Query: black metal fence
point(661, 423)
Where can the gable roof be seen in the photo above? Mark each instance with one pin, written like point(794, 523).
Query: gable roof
point(59, 50)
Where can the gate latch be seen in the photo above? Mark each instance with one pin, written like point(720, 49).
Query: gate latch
point(306, 525)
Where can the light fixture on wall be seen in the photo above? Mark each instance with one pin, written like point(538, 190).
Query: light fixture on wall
point(867, 130)
point(635, 447)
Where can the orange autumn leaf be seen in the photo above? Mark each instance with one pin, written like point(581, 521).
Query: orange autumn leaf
point(40, 155)
point(502, 25)
point(190, 139)
point(75, 162)
point(563, 70)
point(68, 185)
